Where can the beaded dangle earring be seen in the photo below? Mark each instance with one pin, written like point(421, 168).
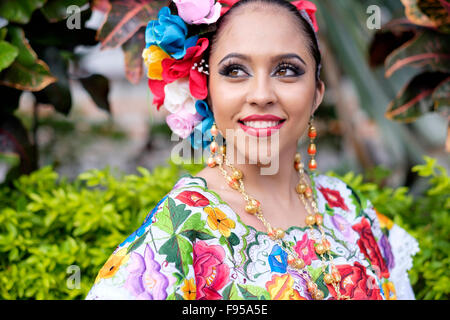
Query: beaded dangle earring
point(214, 158)
point(312, 150)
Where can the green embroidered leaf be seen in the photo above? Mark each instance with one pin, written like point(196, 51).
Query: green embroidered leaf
point(314, 272)
point(178, 296)
point(194, 222)
point(193, 235)
point(179, 251)
point(137, 243)
point(164, 223)
point(250, 292)
point(177, 213)
point(328, 210)
point(231, 293)
point(223, 241)
point(233, 239)
point(322, 286)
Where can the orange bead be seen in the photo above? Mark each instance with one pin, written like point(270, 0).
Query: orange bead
point(312, 133)
point(214, 131)
point(326, 244)
point(312, 164)
point(319, 219)
point(312, 149)
point(211, 162)
point(214, 146)
point(308, 192)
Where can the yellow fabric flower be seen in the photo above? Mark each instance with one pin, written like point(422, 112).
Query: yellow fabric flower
point(113, 264)
point(189, 289)
point(153, 56)
point(217, 219)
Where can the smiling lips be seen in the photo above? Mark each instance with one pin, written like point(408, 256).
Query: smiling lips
point(261, 125)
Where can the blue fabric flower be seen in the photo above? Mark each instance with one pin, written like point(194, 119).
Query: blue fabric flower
point(201, 136)
point(278, 260)
point(169, 33)
point(141, 230)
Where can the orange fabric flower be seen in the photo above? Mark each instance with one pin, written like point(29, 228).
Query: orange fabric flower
point(112, 265)
point(385, 222)
point(217, 219)
point(189, 289)
point(280, 288)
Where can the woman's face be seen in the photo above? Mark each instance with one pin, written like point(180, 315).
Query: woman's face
point(260, 66)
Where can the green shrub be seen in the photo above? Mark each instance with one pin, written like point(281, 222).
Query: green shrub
point(48, 224)
point(426, 217)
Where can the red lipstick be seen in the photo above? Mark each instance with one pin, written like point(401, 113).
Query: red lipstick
point(261, 132)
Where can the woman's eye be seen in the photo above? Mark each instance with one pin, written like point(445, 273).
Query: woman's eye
point(288, 71)
point(234, 72)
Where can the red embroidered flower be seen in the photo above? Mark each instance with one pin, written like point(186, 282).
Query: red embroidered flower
point(356, 284)
point(176, 69)
point(193, 198)
point(333, 198)
point(211, 274)
point(369, 247)
point(305, 249)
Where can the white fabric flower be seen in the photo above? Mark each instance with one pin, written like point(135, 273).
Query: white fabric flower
point(178, 97)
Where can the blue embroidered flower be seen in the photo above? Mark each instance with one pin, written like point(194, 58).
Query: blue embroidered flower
point(141, 230)
point(169, 33)
point(278, 260)
point(201, 136)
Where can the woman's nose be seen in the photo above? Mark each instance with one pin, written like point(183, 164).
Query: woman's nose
point(261, 92)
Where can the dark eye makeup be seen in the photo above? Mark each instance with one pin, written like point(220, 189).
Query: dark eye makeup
point(233, 66)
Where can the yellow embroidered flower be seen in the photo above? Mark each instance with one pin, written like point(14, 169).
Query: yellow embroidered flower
point(189, 289)
point(112, 265)
point(153, 56)
point(280, 288)
point(389, 291)
point(217, 219)
point(385, 222)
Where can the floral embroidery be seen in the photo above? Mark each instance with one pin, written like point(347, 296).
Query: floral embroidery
point(188, 248)
point(211, 273)
point(333, 198)
point(280, 288)
point(189, 289)
point(305, 249)
point(370, 248)
point(217, 219)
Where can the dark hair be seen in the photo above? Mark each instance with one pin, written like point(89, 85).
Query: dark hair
point(304, 25)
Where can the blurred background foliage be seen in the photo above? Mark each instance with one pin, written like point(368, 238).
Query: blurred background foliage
point(387, 106)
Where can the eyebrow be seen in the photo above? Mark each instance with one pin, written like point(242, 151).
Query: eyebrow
point(278, 57)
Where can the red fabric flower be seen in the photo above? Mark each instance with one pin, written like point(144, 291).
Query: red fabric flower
point(157, 88)
point(229, 4)
point(310, 9)
point(193, 199)
point(369, 247)
point(333, 198)
point(356, 284)
point(175, 69)
point(211, 274)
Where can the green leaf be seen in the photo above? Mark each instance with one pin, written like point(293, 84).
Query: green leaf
point(19, 11)
point(98, 88)
point(179, 251)
point(8, 54)
point(164, 222)
point(428, 51)
point(56, 10)
point(415, 99)
point(137, 243)
point(27, 72)
point(124, 19)
point(233, 239)
point(178, 214)
point(441, 97)
point(132, 50)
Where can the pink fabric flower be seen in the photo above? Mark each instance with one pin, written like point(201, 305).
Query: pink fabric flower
point(183, 122)
point(305, 250)
point(198, 11)
point(211, 273)
point(145, 281)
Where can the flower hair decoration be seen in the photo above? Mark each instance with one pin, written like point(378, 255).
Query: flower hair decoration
point(177, 71)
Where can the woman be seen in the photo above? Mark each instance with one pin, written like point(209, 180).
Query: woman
point(250, 72)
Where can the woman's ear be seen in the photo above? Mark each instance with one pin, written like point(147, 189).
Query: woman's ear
point(318, 97)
